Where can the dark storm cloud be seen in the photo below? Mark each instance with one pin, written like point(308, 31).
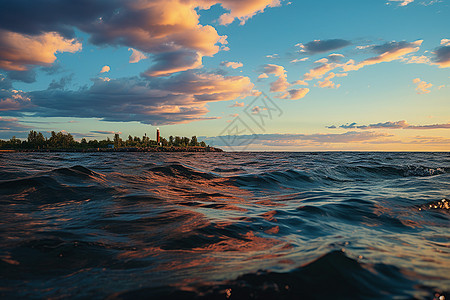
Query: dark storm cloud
point(171, 31)
point(11, 124)
point(38, 16)
point(61, 83)
point(348, 126)
point(5, 82)
point(392, 47)
point(319, 46)
point(171, 62)
point(442, 56)
point(176, 99)
point(28, 76)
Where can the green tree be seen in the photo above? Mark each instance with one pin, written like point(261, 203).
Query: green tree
point(83, 143)
point(117, 141)
point(15, 143)
point(177, 141)
point(35, 139)
point(194, 141)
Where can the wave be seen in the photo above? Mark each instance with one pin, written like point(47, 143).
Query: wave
point(332, 276)
point(389, 171)
point(273, 179)
point(440, 205)
point(78, 171)
point(180, 171)
point(57, 185)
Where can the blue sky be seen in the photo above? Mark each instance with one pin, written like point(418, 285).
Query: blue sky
point(344, 75)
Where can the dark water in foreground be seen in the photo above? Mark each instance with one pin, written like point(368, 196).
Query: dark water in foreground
point(225, 225)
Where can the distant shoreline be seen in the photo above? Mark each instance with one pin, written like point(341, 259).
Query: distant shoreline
point(123, 149)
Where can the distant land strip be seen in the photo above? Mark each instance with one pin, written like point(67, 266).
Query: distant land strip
point(64, 142)
point(123, 149)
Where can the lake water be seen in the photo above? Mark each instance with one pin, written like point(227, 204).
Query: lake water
point(225, 225)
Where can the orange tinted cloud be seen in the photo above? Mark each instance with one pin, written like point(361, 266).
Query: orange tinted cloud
point(389, 52)
point(105, 69)
point(244, 10)
point(319, 71)
point(422, 87)
point(295, 94)
point(327, 83)
point(173, 100)
point(136, 56)
point(402, 2)
point(281, 84)
point(19, 51)
point(232, 64)
point(172, 62)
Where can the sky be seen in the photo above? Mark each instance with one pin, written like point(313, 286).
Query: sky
point(256, 75)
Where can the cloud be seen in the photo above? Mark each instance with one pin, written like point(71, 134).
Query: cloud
point(442, 56)
point(276, 70)
point(263, 75)
point(314, 139)
point(5, 82)
point(422, 87)
point(300, 82)
point(237, 104)
point(295, 94)
point(28, 76)
point(393, 125)
point(177, 99)
point(432, 126)
point(431, 140)
point(105, 132)
point(319, 71)
point(402, 2)
point(18, 51)
point(105, 69)
point(136, 56)
point(321, 61)
point(387, 52)
point(173, 62)
point(417, 60)
point(281, 84)
point(319, 46)
point(61, 83)
point(11, 100)
point(170, 30)
point(157, 27)
point(299, 60)
point(327, 83)
point(231, 64)
point(445, 42)
point(335, 57)
point(12, 124)
point(244, 10)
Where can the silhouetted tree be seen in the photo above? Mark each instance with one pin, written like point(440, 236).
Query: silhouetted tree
point(194, 141)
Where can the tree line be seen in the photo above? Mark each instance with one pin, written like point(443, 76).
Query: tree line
point(62, 140)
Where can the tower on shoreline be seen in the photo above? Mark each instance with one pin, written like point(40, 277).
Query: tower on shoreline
point(158, 138)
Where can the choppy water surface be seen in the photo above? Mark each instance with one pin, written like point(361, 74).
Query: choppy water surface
point(225, 225)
